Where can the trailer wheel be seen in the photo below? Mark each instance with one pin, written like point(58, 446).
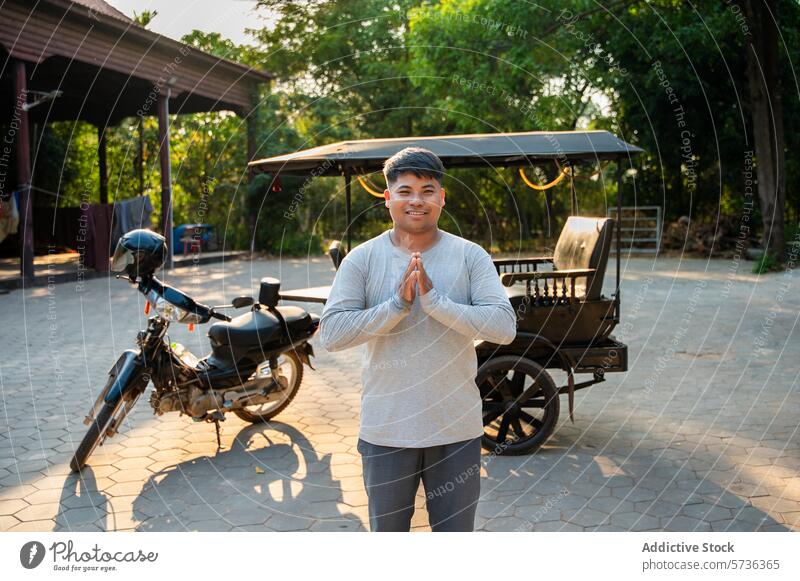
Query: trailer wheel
point(520, 404)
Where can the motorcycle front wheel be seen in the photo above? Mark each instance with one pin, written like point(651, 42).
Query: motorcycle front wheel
point(93, 437)
point(290, 366)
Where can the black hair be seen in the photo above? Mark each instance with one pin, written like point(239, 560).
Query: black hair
point(417, 160)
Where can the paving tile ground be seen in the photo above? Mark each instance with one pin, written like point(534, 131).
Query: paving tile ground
point(700, 434)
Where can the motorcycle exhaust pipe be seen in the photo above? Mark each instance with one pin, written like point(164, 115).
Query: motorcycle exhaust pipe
point(248, 397)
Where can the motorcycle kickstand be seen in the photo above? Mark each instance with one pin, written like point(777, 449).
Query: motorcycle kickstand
point(219, 442)
point(216, 417)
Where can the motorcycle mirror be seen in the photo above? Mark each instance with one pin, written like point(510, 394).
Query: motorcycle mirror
point(240, 302)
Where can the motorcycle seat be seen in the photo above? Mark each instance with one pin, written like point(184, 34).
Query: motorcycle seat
point(259, 327)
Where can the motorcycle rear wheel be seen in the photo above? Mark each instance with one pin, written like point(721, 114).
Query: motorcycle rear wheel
point(93, 436)
point(290, 365)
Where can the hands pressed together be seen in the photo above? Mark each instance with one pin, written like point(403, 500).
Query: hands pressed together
point(414, 275)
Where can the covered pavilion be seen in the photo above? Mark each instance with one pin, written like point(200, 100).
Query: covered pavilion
point(85, 60)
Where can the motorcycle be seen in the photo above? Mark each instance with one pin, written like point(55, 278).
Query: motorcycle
point(254, 369)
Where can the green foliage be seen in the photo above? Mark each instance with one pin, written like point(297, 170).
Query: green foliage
point(681, 101)
point(296, 243)
point(66, 164)
point(346, 63)
point(792, 233)
point(145, 17)
point(767, 262)
point(661, 74)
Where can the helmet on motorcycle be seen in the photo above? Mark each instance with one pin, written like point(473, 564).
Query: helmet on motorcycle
point(139, 253)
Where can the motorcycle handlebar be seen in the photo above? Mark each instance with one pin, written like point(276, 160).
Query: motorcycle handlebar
point(220, 316)
point(180, 299)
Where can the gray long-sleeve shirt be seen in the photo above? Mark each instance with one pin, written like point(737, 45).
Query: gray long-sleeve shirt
point(419, 364)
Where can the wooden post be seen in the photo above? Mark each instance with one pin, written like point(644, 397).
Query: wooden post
point(101, 164)
point(347, 178)
point(573, 193)
point(23, 154)
point(251, 117)
point(166, 173)
point(619, 235)
point(140, 155)
point(251, 128)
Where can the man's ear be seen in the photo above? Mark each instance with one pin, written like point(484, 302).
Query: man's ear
point(386, 197)
point(442, 196)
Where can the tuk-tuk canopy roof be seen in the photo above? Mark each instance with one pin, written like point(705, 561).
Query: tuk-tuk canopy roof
point(456, 151)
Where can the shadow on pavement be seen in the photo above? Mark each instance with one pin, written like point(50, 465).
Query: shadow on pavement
point(571, 486)
point(82, 507)
point(270, 479)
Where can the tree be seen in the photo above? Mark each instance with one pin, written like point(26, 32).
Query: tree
point(492, 66)
point(672, 77)
point(766, 108)
point(721, 63)
point(346, 62)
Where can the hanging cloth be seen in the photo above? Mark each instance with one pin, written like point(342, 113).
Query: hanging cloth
point(98, 235)
point(9, 217)
point(130, 215)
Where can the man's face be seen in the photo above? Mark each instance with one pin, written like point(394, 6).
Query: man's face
point(414, 203)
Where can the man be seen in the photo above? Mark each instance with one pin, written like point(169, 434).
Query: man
point(418, 297)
